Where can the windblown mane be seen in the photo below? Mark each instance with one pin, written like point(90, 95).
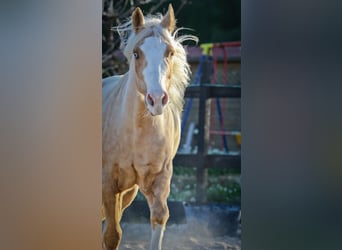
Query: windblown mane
point(180, 75)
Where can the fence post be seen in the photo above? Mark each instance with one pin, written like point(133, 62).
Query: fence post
point(203, 135)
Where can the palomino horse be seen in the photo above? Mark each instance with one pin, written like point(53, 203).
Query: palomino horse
point(141, 122)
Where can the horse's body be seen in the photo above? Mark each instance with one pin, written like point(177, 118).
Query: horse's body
point(141, 125)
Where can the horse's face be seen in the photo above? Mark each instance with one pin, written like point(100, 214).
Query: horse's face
point(153, 63)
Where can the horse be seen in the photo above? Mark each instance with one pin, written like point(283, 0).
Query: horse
point(141, 115)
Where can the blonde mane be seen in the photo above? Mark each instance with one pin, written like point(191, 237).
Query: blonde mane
point(180, 75)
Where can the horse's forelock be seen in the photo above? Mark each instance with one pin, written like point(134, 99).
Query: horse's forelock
point(152, 28)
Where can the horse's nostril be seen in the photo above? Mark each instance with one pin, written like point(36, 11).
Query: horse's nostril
point(150, 100)
point(165, 99)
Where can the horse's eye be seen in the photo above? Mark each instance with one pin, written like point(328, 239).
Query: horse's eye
point(172, 53)
point(136, 55)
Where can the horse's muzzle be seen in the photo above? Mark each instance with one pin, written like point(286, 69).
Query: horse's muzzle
point(156, 101)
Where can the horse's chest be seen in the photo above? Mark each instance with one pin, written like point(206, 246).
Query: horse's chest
point(151, 147)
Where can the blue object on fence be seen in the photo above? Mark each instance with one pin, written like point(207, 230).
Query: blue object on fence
point(189, 103)
point(205, 54)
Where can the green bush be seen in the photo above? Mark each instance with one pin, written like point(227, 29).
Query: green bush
point(221, 187)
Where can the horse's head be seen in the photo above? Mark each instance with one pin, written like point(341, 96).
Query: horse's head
point(152, 57)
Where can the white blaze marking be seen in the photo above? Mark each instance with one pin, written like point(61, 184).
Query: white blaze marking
point(154, 74)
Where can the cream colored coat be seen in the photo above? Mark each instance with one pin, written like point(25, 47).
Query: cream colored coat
point(137, 147)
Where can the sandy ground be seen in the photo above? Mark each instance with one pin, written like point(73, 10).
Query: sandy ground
point(209, 227)
point(195, 234)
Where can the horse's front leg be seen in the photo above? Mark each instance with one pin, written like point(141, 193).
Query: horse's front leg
point(112, 232)
point(159, 212)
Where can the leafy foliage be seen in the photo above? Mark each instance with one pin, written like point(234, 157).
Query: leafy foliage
point(211, 21)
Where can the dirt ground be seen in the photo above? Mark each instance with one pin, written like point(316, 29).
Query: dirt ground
point(194, 235)
point(190, 227)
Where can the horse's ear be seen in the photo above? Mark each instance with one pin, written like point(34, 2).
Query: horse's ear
point(138, 20)
point(169, 20)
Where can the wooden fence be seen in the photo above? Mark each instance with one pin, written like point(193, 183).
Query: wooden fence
point(202, 160)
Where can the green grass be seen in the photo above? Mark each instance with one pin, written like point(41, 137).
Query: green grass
point(223, 186)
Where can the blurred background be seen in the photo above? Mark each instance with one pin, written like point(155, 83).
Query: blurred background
point(211, 21)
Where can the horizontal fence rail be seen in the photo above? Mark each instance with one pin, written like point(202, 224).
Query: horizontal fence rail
point(214, 91)
point(209, 161)
point(202, 160)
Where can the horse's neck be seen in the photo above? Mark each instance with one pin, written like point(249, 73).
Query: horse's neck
point(134, 115)
point(132, 99)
